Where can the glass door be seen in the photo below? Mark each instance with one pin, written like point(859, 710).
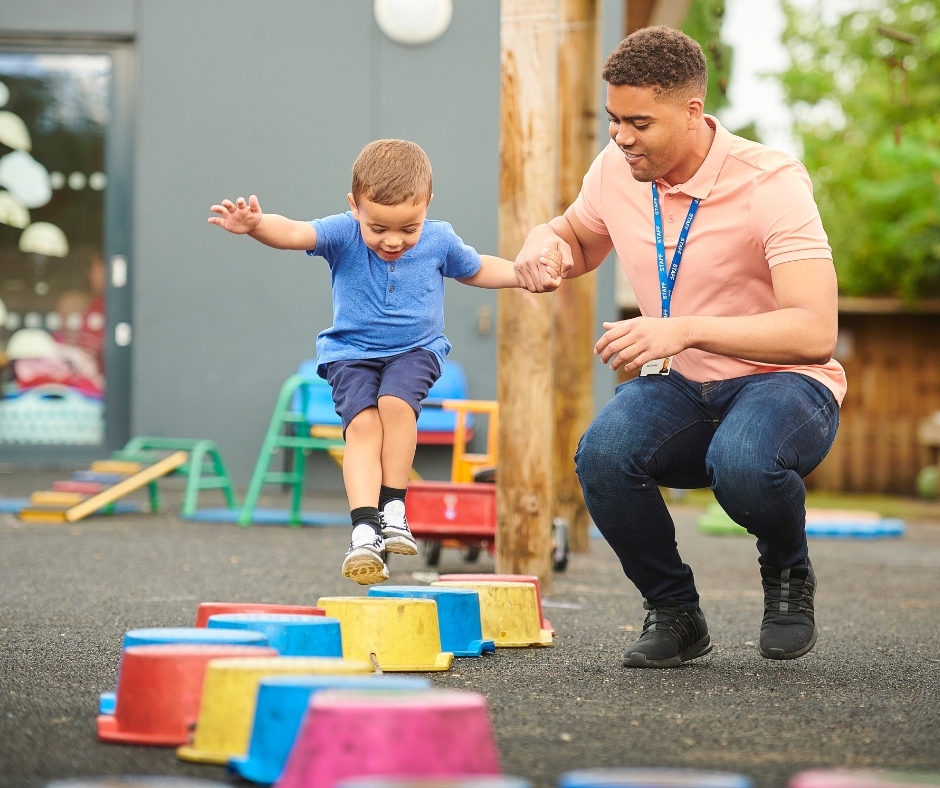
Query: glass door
point(56, 277)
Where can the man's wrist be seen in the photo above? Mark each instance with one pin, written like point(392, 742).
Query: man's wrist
point(690, 329)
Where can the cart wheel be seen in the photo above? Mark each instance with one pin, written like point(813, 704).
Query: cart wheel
point(432, 553)
point(560, 539)
point(471, 553)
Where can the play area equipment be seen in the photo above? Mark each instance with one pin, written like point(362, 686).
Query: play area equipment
point(502, 781)
point(290, 431)
point(282, 703)
point(205, 469)
point(228, 700)
point(159, 689)
point(207, 609)
point(459, 578)
point(822, 523)
point(652, 778)
point(106, 482)
point(458, 616)
point(346, 734)
point(177, 636)
point(509, 613)
point(141, 463)
point(864, 778)
point(399, 634)
point(305, 420)
point(136, 782)
point(462, 512)
point(292, 636)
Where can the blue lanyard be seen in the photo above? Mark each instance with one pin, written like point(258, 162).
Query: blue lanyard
point(667, 278)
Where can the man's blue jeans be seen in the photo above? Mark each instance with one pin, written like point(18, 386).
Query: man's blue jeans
point(751, 439)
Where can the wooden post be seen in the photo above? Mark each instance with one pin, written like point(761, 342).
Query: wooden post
point(576, 300)
point(527, 196)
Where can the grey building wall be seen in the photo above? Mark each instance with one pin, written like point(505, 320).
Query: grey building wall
point(279, 104)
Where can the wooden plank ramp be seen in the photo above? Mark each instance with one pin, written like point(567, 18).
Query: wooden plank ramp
point(129, 485)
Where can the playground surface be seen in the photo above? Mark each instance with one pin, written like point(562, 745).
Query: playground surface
point(865, 697)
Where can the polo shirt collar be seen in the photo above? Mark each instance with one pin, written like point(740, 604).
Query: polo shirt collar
point(701, 183)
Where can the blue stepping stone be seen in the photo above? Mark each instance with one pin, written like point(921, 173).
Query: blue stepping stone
point(291, 635)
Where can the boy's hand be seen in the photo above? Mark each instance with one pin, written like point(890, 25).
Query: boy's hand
point(238, 217)
point(550, 264)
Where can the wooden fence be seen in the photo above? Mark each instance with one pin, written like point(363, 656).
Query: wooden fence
point(892, 362)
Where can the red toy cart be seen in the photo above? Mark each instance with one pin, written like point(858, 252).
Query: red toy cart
point(462, 512)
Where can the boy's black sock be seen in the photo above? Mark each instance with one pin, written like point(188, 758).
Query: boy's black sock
point(387, 494)
point(366, 515)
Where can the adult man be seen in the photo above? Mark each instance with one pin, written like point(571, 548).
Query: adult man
point(750, 402)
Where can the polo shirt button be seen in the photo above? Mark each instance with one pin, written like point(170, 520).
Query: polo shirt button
point(393, 267)
point(392, 289)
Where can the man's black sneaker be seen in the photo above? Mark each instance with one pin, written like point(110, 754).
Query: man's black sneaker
point(670, 637)
point(788, 630)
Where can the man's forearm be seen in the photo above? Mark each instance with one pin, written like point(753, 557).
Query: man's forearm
point(784, 336)
point(283, 233)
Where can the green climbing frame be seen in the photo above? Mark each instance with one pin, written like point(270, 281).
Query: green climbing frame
point(205, 469)
point(290, 431)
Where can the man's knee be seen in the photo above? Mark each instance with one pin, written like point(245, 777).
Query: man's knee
point(741, 467)
point(607, 448)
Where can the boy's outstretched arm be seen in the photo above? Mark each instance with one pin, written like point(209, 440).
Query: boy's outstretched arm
point(271, 229)
point(498, 273)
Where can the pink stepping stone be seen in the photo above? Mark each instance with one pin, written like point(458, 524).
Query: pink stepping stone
point(437, 733)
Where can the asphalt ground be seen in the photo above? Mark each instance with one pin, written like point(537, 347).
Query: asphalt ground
point(867, 696)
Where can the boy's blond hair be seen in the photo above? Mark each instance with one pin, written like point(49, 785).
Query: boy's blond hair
point(389, 172)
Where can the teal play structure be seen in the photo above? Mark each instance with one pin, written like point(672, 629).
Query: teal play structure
point(305, 420)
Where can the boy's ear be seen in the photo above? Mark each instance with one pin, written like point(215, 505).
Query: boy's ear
point(353, 207)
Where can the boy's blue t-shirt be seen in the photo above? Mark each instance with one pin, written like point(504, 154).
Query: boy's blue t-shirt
point(384, 308)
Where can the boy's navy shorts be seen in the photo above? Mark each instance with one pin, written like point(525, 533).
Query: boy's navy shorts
point(358, 383)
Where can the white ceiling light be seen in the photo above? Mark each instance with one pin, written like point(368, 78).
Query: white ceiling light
point(13, 132)
point(44, 238)
point(413, 22)
point(26, 179)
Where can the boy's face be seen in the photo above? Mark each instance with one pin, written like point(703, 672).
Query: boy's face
point(389, 230)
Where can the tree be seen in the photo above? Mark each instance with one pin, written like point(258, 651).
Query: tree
point(865, 92)
point(703, 23)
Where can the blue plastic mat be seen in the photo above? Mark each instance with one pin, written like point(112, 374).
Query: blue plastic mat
point(14, 505)
point(269, 517)
point(820, 524)
point(887, 527)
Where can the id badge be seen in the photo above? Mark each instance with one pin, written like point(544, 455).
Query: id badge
point(658, 366)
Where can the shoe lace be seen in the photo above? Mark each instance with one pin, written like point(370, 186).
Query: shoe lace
point(394, 520)
point(674, 619)
point(787, 594)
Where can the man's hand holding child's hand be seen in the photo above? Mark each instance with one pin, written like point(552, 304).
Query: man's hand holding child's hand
point(238, 217)
point(549, 270)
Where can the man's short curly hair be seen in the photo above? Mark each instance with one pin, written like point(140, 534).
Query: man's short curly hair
point(661, 58)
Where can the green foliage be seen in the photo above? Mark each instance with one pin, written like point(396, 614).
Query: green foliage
point(703, 23)
point(865, 91)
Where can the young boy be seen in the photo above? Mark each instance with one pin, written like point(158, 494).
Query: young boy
point(386, 347)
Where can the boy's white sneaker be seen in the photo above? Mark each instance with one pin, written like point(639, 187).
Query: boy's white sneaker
point(365, 559)
point(398, 538)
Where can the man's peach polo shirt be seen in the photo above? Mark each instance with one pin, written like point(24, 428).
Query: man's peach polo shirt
point(757, 211)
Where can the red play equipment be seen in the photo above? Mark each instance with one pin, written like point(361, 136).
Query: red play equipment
point(462, 512)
